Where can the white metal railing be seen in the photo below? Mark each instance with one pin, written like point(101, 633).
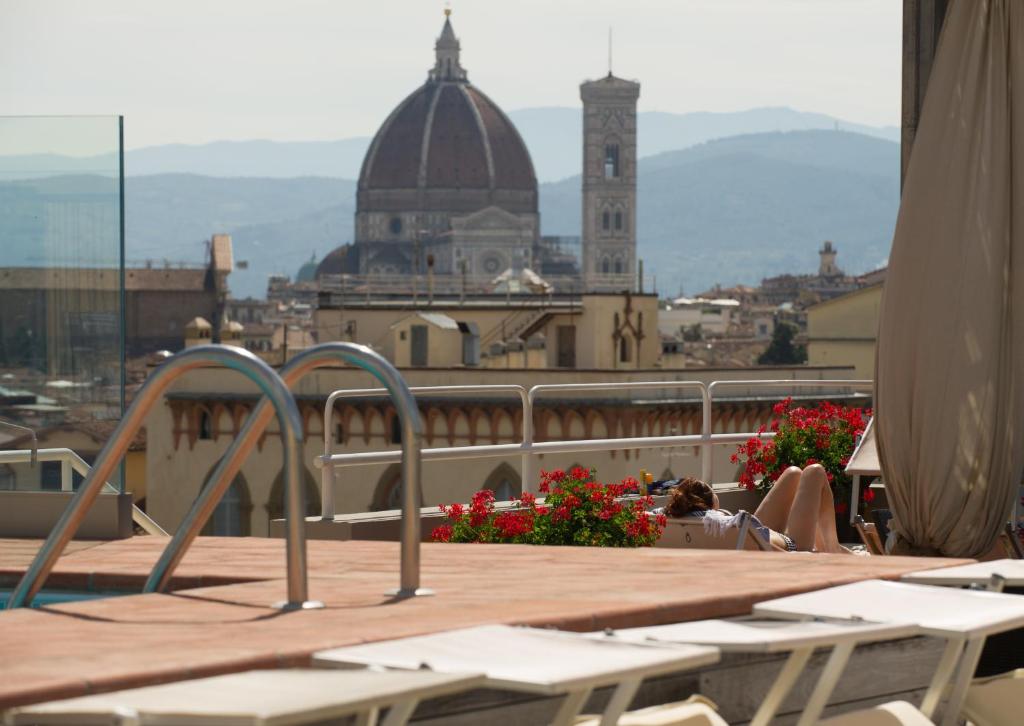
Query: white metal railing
point(71, 462)
point(528, 448)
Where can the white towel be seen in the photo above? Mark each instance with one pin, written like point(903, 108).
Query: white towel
point(716, 522)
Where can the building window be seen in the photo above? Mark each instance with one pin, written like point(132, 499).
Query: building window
point(396, 430)
point(605, 266)
point(205, 426)
point(340, 433)
point(611, 161)
point(618, 220)
point(618, 267)
point(606, 221)
point(624, 349)
point(396, 225)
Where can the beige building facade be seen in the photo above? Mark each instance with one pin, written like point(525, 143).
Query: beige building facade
point(844, 330)
point(205, 409)
point(608, 331)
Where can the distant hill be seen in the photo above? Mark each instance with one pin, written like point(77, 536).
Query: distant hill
point(731, 210)
point(553, 136)
point(743, 208)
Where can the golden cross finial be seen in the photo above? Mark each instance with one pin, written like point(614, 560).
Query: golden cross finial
point(447, 9)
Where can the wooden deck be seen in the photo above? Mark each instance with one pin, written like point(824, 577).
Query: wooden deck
point(223, 622)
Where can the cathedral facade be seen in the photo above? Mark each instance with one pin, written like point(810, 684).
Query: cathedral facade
point(447, 185)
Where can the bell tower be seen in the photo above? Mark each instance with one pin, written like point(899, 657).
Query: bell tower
point(609, 183)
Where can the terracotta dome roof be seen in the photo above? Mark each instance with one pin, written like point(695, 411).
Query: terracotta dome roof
point(448, 135)
point(338, 262)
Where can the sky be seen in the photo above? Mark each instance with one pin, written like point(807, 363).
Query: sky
point(195, 71)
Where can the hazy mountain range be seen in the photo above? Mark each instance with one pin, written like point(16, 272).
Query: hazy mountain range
point(553, 136)
point(728, 210)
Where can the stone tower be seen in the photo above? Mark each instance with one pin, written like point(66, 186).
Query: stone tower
point(827, 266)
point(609, 183)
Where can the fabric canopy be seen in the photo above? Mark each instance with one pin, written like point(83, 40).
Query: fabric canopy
point(949, 388)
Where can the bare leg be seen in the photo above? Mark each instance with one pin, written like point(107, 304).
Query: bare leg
point(828, 538)
point(773, 510)
point(804, 515)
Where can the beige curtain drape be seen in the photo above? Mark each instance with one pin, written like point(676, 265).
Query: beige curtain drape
point(949, 378)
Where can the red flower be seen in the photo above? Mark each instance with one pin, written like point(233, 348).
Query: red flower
point(442, 533)
point(578, 472)
point(869, 495)
point(842, 508)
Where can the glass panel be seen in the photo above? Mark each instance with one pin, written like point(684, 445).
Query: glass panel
point(61, 282)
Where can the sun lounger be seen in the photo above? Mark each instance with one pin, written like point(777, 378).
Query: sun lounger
point(997, 700)
point(1009, 573)
point(263, 697)
point(894, 713)
point(529, 660)
point(869, 535)
point(965, 618)
point(758, 635)
point(694, 711)
point(689, 532)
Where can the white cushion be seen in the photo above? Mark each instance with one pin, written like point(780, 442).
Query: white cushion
point(894, 713)
point(996, 700)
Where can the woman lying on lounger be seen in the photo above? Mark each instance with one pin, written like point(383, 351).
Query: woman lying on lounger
point(796, 515)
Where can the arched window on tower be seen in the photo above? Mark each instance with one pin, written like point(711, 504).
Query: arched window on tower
point(606, 220)
point(624, 349)
point(618, 220)
point(611, 161)
point(605, 266)
point(618, 266)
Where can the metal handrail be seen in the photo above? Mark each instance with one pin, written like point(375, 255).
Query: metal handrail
point(229, 465)
point(31, 432)
point(528, 448)
point(496, 451)
point(69, 462)
point(134, 418)
point(707, 463)
point(327, 510)
point(528, 477)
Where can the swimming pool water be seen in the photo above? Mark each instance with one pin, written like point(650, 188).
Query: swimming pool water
point(55, 597)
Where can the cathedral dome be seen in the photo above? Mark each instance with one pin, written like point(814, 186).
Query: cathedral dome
point(447, 147)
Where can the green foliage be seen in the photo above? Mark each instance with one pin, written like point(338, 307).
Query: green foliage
point(781, 351)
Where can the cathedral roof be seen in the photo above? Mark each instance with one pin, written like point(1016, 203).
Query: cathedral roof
point(340, 261)
point(447, 135)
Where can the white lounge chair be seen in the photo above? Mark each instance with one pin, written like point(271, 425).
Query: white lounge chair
point(694, 711)
point(996, 700)
point(689, 532)
point(545, 662)
point(800, 639)
point(255, 698)
point(963, 617)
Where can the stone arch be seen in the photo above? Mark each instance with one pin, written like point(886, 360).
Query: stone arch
point(504, 481)
point(239, 412)
point(606, 265)
point(458, 425)
point(388, 492)
point(310, 414)
point(221, 417)
point(476, 415)
point(232, 517)
point(573, 425)
point(500, 416)
point(434, 415)
point(275, 502)
point(347, 417)
point(370, 416)
point(205, 424)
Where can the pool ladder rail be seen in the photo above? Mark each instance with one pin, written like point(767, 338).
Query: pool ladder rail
point(275, 389)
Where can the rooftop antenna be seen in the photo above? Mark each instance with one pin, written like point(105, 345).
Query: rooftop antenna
point(609, 51)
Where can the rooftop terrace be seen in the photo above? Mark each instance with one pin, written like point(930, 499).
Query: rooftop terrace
point(220, 619)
